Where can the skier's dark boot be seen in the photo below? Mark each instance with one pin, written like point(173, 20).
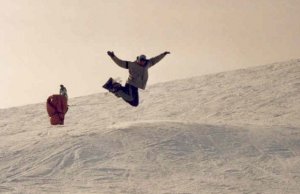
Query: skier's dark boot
point(115, 88)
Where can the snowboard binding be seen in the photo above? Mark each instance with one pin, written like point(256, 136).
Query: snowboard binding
point(112, 86)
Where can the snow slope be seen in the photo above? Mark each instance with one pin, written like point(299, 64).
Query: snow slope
point(231, 132)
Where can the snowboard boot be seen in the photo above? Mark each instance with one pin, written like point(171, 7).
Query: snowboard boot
point(112, 86)
point(115, 88)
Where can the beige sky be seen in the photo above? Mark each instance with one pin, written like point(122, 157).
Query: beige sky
point(46, 43)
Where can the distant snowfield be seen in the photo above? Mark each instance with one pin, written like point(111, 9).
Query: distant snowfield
point(231, 132)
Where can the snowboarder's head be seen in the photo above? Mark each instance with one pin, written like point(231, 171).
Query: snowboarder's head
point(141, 60)
point(61, 85)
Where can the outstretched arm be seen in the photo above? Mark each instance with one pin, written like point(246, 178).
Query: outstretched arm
point(156, 59)
point(119, 62)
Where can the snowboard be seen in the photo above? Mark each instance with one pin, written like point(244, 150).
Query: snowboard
point(112, 86)
point(108, 85)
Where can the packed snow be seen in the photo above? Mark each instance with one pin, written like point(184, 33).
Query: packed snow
point(231, 132)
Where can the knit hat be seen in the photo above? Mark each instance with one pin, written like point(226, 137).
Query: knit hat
point(141, 58)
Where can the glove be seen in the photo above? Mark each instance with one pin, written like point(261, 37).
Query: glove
point(167, 52)
point(111, 54)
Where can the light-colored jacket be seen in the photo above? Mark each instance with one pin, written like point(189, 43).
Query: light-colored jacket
point(138, 75)
point(63, 91)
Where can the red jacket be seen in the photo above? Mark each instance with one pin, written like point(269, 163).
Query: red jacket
point(57, 107)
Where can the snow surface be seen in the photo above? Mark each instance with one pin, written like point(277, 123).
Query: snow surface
point(231, 132)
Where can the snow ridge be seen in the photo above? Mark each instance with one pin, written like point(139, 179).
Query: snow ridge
point(231, 132)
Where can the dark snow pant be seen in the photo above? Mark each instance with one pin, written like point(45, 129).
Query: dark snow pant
point(129, 94)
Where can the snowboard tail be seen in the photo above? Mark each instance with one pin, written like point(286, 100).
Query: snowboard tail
point(112, 86)
point(108, 85)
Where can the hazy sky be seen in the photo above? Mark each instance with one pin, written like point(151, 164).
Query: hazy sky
point(45, 43)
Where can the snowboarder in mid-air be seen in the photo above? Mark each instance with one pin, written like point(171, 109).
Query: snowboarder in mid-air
point(138, 77)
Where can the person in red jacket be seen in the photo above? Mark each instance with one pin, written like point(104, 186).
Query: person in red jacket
point(57, 107)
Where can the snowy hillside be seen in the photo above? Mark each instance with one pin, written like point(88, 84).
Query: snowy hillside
point(231, 132)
